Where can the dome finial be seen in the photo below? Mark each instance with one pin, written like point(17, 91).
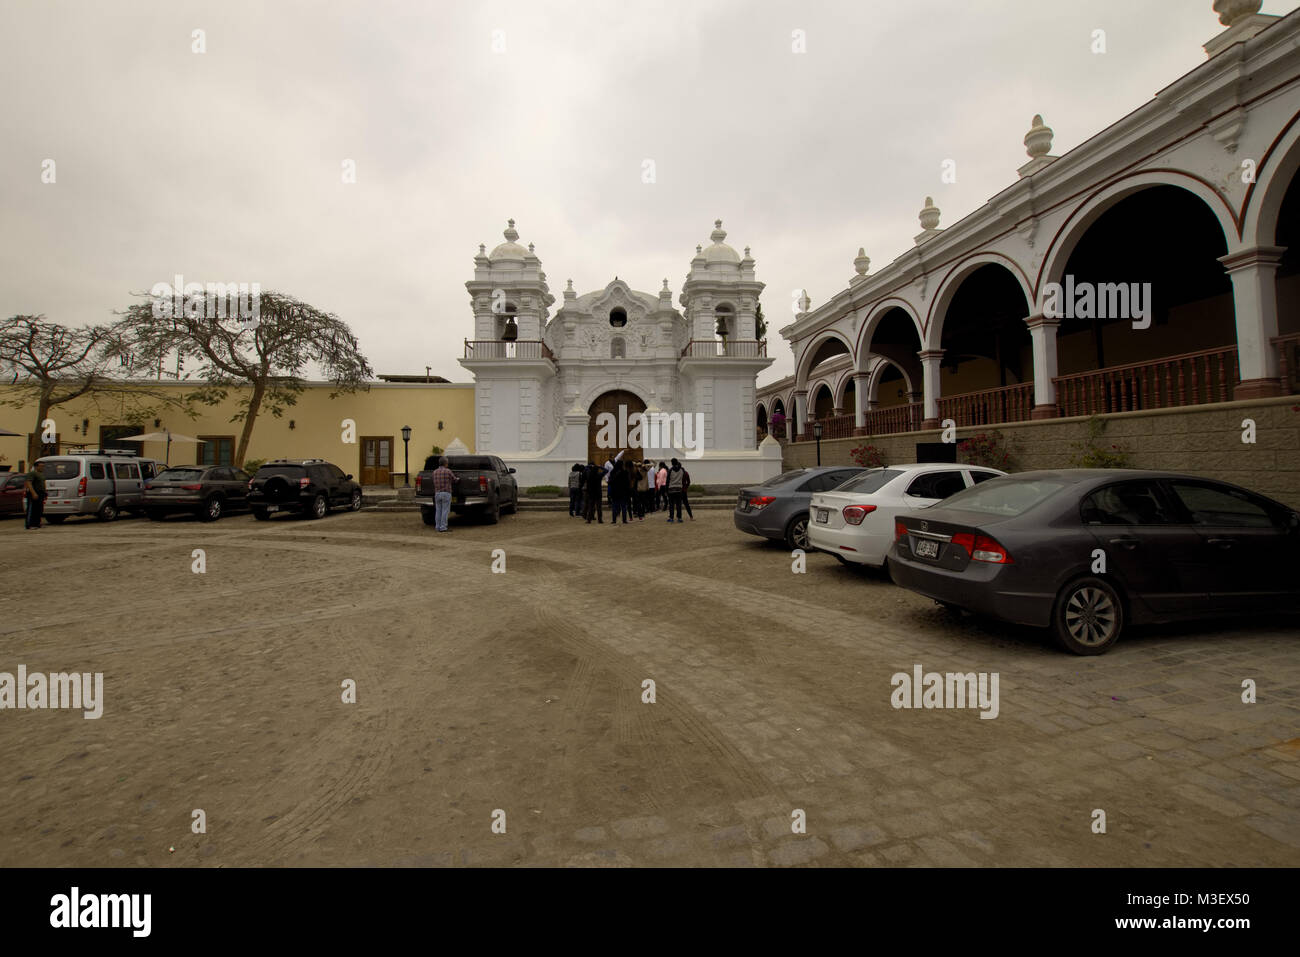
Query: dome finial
point(718, 234)
point(510, 233)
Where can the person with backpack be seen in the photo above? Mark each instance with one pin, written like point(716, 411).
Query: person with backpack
point(675, 476)
point(619, 489)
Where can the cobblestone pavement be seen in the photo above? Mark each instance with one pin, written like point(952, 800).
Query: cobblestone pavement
point(523, 693)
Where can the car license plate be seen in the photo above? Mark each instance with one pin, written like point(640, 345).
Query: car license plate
point(823, 516)
point(273, 508)
point(926, 548)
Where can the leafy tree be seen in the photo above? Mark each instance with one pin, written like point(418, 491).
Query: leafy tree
point(760, 323)
point(50, 364)
point(271, 353)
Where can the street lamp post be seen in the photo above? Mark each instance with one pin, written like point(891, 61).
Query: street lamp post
point(817, 434)
point(406, 443)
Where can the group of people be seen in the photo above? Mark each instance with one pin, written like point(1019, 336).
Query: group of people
point(634, 490)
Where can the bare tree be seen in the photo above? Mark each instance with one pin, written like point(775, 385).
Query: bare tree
point(271, 354)
point(49, 364)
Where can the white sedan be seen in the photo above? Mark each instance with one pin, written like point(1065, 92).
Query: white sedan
point(855, 522)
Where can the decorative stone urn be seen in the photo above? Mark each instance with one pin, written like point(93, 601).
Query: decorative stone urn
point(1231, 11)
point(1038, 141)
point(930, 215)
point(861, 263)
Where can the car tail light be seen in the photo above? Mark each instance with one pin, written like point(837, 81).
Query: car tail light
point(304, 482)
point(192, 488)
point(761, 501)
point(417, 485)
point(981, 548)
point(854, 514)
point(148, 486)
point(900, 530)
point(482, 483)
point(81, 488)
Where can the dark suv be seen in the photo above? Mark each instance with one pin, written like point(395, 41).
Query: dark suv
point(309, 487)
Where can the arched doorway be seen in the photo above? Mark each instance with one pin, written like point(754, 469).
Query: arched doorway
point(613, 416)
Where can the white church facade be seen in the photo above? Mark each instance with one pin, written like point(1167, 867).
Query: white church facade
point(554, 390)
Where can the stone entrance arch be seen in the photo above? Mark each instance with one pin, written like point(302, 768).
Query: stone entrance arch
point(622, 406)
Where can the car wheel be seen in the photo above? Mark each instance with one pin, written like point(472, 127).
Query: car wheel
point(56, 519)
point(107, 512)
point(320, 507)
point(356, 500)
point(796, 533)
point(261, 514)
point(211, 510)
point(1088, 617)
point(494, 514)
point(429, 515)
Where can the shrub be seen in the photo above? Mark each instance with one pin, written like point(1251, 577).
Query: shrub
point(252, 465)
point(1094, 453)
point(868, 456)
point(436, 450)
point(990, 449)
point(546, 490)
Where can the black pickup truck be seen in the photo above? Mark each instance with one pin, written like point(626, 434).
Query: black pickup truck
point(484, 484)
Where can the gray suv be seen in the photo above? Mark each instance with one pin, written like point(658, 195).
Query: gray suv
point(103, 483)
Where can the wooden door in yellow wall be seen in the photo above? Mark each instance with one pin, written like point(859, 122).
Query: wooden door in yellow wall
point(376, 460)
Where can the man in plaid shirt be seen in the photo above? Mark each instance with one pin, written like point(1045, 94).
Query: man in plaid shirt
point(444, 480)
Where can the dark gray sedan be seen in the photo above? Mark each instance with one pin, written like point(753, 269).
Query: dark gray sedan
point(208, 491)
point(1085, 551)
point(778, 509)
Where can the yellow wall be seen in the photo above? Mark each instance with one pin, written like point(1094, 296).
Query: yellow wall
point(317, 431)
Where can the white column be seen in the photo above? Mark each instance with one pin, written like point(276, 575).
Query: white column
point(860, 399)
point(930, 359)
point(800, 410)
point(1042, 330)
point(1254, 293)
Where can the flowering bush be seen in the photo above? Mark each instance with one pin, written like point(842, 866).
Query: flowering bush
point(989, 449)
point(1092, 453)
point(868, 456)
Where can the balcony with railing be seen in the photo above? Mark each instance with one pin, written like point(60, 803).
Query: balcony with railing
point(725, 349)
point(502, 349)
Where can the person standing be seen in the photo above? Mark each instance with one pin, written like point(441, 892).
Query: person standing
point(686, 490)
point(444, 480)
point(592, 507)
point(619, 487)
point(575, 491)
point(661, 486)
point(675, 475)
point(34, 495)
point(635, 477)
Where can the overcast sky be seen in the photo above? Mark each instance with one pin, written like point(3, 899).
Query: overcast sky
point(226, 165)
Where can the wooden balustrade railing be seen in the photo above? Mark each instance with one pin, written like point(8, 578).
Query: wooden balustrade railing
point(1288, 361)
point(894, 419)
point(1012, 403)
point(1195, 378)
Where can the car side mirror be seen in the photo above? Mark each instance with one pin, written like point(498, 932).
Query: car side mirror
point(512, 471)
point(348, 476)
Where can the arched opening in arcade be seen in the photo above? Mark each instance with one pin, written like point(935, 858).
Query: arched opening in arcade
point(822, 402)
point(1146, 309)
point(760, 420)
point(894, 407)
point(986, 373)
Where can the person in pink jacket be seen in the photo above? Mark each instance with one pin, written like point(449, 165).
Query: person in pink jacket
point(661, 486)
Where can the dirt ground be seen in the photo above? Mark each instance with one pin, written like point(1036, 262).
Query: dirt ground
point(522, 693)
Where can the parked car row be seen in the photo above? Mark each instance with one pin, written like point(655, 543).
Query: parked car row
point(107, 482)
point(1082, 552)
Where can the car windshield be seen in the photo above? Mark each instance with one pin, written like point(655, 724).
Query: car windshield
point(868, 482)
point(783, 478)
point(61, 468)
point(1004, 496)
point(181, 475)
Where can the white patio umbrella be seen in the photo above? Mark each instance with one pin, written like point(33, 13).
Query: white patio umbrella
point(164, 436)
